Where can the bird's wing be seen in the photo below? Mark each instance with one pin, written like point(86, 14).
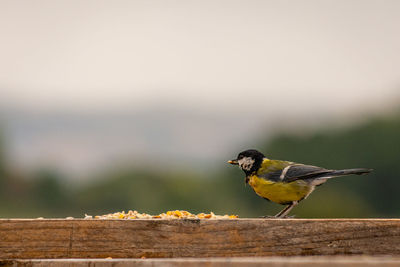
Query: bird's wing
point(293, 171)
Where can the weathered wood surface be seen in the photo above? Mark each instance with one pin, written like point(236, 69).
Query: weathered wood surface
point(305, 261)
point(34, 239)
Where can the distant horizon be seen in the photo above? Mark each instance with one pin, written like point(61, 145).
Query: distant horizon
point(78, 144)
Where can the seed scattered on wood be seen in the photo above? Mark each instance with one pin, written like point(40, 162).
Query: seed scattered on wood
point(174, 214)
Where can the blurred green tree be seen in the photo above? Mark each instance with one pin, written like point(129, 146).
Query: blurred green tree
point(2, 163)
point(47, 192)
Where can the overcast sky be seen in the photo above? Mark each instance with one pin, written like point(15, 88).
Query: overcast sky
point(304, 55)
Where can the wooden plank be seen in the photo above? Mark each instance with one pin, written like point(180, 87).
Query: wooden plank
point(305, 261)
point(33, 239)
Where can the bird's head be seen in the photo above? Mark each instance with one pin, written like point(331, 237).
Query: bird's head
point(249, 160)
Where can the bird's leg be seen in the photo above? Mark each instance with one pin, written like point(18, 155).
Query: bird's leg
point(286, 210)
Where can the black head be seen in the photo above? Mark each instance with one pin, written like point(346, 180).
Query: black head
point(249, 161)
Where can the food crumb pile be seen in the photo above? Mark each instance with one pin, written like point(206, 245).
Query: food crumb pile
point(175, 214)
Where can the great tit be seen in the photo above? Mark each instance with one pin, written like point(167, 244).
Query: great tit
point(284, 182)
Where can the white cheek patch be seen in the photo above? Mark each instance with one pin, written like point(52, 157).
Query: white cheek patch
point(246, 163)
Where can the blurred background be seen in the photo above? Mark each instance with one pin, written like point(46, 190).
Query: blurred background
point(137, 105)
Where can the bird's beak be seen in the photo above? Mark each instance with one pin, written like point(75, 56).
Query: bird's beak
point(233, 162)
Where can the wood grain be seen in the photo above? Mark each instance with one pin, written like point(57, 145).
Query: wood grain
point(34, 239)
point(304, 261)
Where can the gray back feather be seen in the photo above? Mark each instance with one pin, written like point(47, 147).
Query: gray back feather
point(296, 172)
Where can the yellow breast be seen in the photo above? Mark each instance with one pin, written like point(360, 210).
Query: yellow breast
point(282, 193)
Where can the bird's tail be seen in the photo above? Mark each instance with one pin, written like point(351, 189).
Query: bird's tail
point(358, 171)
point(319, 180)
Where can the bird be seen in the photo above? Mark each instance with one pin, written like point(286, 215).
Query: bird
point(284, 182)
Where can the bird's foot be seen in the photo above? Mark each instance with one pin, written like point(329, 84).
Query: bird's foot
point(268, 217)
point(285, 217)
point(278, 217)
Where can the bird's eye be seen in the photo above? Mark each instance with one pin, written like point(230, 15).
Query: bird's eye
point(240, 157)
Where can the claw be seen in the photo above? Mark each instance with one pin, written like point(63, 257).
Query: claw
point(277, 217)
point(286, 217)
point(268, 217)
